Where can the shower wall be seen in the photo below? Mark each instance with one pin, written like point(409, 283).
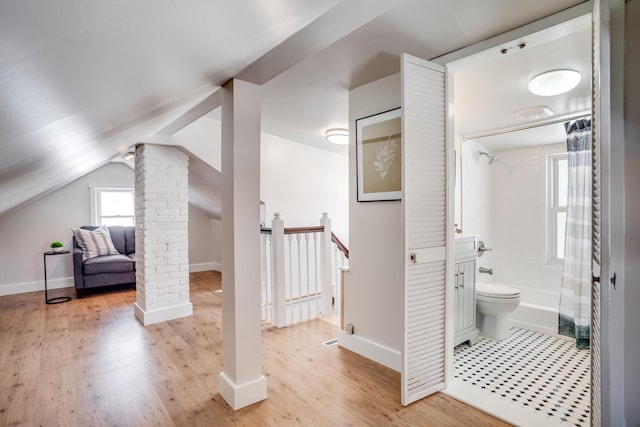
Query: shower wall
point(477, 196)
point(504, 205)
point(518, 212)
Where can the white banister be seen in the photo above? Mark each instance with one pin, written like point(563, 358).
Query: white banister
point(300, 280)
point(278, 272)
point(325, 265)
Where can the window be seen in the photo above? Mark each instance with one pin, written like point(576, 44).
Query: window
point(557, 184)
point(112, 206)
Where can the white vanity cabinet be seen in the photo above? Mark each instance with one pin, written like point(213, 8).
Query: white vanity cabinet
point(465, 290)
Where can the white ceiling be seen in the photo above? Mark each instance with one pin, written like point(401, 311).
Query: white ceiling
point(80, 82)
point(491, 88)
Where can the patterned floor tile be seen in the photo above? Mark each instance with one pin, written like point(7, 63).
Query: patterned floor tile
point(537, 371)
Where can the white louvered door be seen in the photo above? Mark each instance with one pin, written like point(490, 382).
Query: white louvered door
point(600, 125)
point(424, 207)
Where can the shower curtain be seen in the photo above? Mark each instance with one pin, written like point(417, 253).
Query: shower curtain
point(575, 297)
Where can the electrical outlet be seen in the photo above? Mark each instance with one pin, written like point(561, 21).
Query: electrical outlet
point(349, 329)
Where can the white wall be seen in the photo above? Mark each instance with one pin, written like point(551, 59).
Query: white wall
point(301, 182)
point(519, 224)
point(374, 286)
point(27, 232)
point(504, 205)
point(204, 245)
point(477, 195)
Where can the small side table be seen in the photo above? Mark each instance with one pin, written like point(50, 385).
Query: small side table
point(56, 300)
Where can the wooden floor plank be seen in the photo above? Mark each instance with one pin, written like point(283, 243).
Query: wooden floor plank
point(89, 362)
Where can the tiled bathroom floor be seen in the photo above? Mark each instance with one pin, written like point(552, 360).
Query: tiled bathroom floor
point(539, 372)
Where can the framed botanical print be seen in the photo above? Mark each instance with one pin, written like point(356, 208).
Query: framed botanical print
point(379, 156)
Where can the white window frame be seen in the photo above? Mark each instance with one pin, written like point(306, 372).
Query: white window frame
point(95, 207)
point(552, 208)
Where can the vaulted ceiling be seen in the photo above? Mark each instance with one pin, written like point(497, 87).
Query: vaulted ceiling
point(82, 81)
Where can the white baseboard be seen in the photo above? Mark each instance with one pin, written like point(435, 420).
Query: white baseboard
point(24, 287)
point(377, 352)
point(149, 317)
point(241, 395)
point(67, 282)
point(205, 266)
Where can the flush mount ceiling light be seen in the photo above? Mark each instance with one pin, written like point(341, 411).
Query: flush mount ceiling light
point(337, 136)
point(554, 82)
point(129, 155)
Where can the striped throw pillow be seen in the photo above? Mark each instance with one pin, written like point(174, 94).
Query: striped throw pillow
point(94, 243)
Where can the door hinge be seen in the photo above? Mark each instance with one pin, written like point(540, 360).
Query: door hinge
point(613, 280)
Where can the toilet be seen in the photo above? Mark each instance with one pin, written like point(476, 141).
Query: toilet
point(493, 305)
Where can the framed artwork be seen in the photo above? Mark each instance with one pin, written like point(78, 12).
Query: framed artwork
point(379, 156)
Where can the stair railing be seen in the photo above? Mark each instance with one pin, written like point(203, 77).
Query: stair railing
point(300, 272)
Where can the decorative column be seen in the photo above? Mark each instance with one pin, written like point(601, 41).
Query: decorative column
point(241, 381)
point(162, 235)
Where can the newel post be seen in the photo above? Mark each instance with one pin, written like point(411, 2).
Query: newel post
point(278, 279)
point(325, 265)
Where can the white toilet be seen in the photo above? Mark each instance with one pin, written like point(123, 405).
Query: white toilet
point(493, 305)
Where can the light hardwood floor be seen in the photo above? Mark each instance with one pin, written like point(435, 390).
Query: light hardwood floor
point(89, 362)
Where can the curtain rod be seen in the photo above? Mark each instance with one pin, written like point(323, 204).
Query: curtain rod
point(525, 127)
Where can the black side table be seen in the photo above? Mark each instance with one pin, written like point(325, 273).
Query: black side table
point(56, 300)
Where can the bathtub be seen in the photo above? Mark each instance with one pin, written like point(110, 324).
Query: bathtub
point(538, 310)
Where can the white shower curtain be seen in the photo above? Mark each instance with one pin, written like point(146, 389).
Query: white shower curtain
point(575, 297)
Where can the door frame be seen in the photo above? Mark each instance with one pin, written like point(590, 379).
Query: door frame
point(610, 393)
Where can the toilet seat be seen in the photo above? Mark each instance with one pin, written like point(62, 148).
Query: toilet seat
point(487, 290)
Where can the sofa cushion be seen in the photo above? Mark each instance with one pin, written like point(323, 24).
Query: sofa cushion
point(118, 238)
point(132, 256)
point(94, 242)
point(109, 264)
point(129, 240)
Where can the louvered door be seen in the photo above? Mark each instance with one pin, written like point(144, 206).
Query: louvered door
point(424, 203)
point(600, 117)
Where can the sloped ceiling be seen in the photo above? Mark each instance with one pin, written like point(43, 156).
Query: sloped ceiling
point(81, 82)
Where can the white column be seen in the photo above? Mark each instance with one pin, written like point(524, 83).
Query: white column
point(162, 234)
point(241, 381)
point(279, 284)
point(325, 265)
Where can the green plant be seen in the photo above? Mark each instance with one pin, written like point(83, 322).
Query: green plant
point(56, 245)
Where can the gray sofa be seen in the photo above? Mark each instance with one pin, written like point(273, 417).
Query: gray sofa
point(106, 270)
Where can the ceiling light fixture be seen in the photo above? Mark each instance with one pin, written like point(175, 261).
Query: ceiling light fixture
point(129, 155)
point(337, 136)
point(554, 82)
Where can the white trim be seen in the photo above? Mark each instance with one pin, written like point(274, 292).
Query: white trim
point(37, 286)
point(205, 266)
point(377, 352)
point(240, 395)
point(162, 314)
point(94, 202)
point(551, 209)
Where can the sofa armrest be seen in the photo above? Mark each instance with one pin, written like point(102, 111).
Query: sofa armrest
point(78, 277)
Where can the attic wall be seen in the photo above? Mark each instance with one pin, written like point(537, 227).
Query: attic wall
point(373, 289)
point(27, 232)
point(301, 182)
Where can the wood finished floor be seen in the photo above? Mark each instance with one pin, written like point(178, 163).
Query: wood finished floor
point(90, 363)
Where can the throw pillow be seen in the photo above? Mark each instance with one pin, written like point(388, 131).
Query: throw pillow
point(94, 243)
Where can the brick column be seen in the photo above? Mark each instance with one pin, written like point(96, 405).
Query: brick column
point(162, 234)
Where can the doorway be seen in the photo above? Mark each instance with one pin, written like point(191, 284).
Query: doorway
point(507, 218)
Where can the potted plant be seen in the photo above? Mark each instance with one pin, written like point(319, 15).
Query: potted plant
point(56, 246)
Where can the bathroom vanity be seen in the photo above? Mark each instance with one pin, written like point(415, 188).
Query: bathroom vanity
point(465, 290)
